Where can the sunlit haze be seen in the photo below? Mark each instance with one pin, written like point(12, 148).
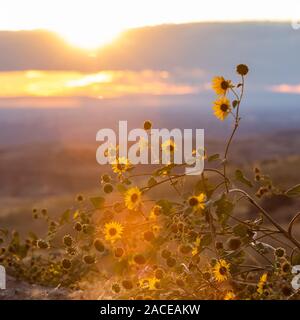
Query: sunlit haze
point(91, 23)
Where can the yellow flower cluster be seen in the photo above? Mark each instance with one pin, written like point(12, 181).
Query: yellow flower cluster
point(221, 107)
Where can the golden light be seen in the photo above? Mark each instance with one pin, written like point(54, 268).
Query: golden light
point(92, 23)
point(89, 25)
point(89, 38)
point(101, 85)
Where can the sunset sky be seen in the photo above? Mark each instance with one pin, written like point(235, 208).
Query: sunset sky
point(89, 23)
point(74, 61)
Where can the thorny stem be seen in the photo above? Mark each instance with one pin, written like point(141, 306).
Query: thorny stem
point(267, 215)
point(292, 223)
point(211, 225)
point(236, 125)
point(175, 177)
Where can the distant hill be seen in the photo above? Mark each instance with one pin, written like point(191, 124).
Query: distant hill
point(80, 124)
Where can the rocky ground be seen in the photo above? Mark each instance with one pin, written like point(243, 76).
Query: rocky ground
point(19, 290)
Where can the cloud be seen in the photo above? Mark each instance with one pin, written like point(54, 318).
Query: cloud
point(286, 88)
point(104, 84)
point(41, 50)
point(212, 47)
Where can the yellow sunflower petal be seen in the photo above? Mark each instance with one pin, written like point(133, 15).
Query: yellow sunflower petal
point(133, 198)
point(113, 231)
point(222, 108)
point(221, 270)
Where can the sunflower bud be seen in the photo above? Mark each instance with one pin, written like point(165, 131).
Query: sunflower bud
point(67, 240)
point(165, 254)
point(159, 274)
point(66, 263)
point(78, 226)
point(106, 178)
point(127, 284)
point(234, 243)
point(99, 246)
point(149, 236)
point(147, 125)
point(171, 262)
point(242, 69)
point(116, 288)
point(88, 259)
point(42, 244)
point(119, 252)
point(79, 198)
point(108, 188)
point(279, 252)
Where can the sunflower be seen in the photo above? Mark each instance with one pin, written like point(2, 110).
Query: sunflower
point(222, 108)
point(229, 296)
point(156, 228)
point(168, 146)
point(221, 270)
point(133, 198)
point(113, 231)
point(197, 202)
point(220, 85)
point(155, 212)
point(262, 283)
point(121, 165)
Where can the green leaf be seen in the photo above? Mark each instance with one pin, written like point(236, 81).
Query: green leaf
point(151, 182)
point(294, 191)
point(224, 208)
point(127, 182)
point(98, 202)
point(121, 188)
point(213, 157)
point(235, 103)
point(65, 216)
point(240, 230)
point(237, 258)
point(203, 186)
point(239, 176)
point(206, 240)
point(165, 205)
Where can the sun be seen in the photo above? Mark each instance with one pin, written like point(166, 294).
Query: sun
point(90, 38)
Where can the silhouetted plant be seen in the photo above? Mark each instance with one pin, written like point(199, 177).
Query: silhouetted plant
point(196, 247)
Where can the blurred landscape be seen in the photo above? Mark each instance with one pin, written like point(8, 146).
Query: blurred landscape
point(54, 98)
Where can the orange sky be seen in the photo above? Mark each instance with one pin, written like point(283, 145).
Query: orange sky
point(101, 85)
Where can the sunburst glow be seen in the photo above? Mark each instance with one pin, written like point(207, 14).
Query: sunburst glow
point(91, 23)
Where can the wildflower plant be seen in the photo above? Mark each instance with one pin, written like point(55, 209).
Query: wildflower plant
point(192, 244)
